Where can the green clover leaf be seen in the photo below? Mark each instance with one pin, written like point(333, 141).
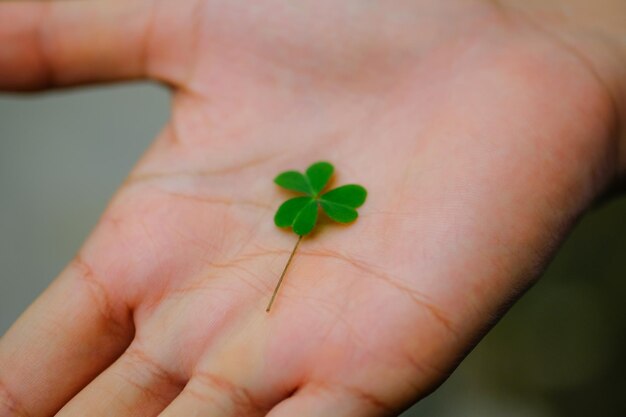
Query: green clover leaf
point(294, 181)
point(289, 210)
point(301, 213)
point(318, 175)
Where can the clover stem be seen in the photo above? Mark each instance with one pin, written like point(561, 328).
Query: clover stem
point(282, 276)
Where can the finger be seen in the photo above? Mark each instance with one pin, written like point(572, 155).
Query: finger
point(71, 333)
point(59, 43)
point(136, 384)
point(228, 384)
point(232, 379)
point(317, 400)
point(212, 395)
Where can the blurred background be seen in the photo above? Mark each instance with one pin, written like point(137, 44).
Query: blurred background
point(560, 351)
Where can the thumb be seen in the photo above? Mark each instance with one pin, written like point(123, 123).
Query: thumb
point(59, 43)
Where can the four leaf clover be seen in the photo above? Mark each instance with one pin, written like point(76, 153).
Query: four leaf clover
point(301, 213)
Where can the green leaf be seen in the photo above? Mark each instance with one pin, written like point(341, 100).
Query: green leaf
point(294, 180)
point(301, 213)
point(319, 174)
point(351, 195)
point(288, 211)
point(306, 219)
point(339, 212)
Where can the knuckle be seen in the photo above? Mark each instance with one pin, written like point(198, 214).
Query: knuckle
point(9, 406)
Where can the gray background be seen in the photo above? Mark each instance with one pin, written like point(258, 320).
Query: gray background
point(559, 352)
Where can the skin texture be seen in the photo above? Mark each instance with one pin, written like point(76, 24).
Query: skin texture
point(480, 136)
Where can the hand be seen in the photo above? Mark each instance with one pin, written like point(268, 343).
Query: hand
point(479, 136)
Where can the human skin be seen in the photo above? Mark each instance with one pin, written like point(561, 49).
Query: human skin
point(482, 131)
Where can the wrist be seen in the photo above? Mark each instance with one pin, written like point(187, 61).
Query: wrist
point(594, 34)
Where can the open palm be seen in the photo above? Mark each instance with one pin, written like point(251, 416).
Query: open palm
point(477, 149)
